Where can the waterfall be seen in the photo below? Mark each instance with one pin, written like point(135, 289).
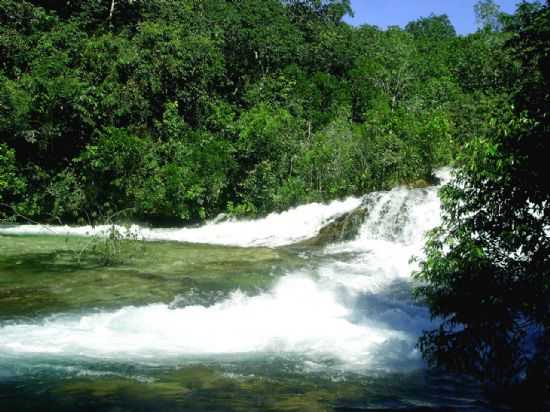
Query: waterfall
point(276, 229)
point(350, 308)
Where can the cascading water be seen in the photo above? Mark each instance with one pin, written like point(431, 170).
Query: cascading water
point(277, 229)
point(348, 310)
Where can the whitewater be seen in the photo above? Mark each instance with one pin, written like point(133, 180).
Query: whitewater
point(277, 229)
point(351, 308)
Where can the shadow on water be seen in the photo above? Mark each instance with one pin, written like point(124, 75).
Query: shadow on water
point(202, 388)
point(265, 385)
point(393, 305)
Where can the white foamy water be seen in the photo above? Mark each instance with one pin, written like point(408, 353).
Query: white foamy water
point(276, 229)
point(352, 307)
point(298, 316)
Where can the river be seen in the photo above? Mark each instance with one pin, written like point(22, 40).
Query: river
point(233, 315)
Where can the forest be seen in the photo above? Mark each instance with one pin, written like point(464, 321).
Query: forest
point(174, 111)
point(179, 110)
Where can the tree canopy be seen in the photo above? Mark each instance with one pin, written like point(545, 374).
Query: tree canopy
point(487, 270)
point(179, 110)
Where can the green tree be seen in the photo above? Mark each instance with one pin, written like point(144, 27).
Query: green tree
point(187, 173)
point(387, 70)
point(433, 27)
point(10, 183)
point(488, 15)
point(436, 42)
point(486, 275)
point(111, 168)
point(177, 108)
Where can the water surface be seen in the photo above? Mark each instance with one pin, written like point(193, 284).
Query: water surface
point(234, 315)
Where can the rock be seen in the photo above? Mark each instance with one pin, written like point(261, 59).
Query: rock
point(345, 227)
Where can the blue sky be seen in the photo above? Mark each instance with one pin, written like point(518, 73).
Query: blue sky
point(385, 13)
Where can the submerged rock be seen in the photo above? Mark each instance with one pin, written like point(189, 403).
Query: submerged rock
point(343, 228)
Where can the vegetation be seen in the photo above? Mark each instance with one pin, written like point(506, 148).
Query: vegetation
point(487, 269)
point(179, 110)
point(113, 245)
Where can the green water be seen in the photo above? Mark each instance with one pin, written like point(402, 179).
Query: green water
point(42, 276)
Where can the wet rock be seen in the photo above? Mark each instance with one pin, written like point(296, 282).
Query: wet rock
point(343, 228)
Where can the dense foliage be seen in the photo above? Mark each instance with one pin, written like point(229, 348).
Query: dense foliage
point(487, 272)
point(182, 109)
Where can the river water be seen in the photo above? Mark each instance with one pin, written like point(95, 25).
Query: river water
point(310, 326)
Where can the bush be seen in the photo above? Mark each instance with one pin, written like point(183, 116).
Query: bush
point(11, 184)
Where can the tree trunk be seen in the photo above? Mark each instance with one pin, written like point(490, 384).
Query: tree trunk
point(111, 11)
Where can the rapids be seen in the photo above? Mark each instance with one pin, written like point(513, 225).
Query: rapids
point(347, 308)
point(277, 229)
point(351, 306)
